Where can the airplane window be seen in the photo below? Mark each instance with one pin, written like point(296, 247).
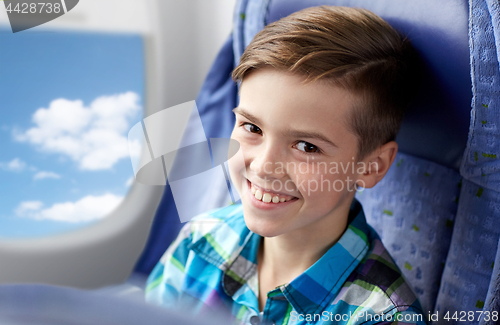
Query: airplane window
point(71, 89)
point(67, 101)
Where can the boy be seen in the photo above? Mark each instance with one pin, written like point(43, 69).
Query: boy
point(321, 100)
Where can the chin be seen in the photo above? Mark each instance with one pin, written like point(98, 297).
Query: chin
point(261, 228)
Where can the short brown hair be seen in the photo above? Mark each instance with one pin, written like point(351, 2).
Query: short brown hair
point(354, 49)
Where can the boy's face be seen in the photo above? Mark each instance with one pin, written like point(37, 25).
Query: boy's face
point(297, 148)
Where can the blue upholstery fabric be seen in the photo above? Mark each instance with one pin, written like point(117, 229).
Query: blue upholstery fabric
point(474, 245)
point(413, 210)
point(493, 297)
point(415, 207)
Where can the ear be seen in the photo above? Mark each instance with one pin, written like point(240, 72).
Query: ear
point(376, 165)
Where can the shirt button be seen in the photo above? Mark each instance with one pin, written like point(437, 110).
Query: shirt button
point(255, 320)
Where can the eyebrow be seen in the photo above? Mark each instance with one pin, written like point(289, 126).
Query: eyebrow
point(252, 118)
point(288, 132)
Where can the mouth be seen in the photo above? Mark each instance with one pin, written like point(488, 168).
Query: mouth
point(268, 197)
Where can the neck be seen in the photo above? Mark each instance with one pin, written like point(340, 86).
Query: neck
point(287, 256)
point(283, 258)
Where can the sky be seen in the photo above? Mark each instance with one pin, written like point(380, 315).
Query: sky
point(67, 102)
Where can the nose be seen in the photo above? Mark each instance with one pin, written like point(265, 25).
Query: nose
point(268, 161)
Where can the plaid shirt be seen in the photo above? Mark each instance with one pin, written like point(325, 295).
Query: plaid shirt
point(212, 265)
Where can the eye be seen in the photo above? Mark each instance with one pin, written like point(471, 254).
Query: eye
point(307, 147)
point(252, 128)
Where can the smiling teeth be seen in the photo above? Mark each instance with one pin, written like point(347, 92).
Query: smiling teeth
point(266, 197)
point(258, 195)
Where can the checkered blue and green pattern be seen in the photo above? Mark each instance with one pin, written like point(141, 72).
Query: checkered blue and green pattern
point(212, 267)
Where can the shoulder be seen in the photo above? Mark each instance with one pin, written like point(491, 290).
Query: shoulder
point(378, 287)
point(205, 236)
point(213, 222)
point(210, 223)
point(215, 233)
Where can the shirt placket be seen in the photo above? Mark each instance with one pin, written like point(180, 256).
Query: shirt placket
point(276, 308)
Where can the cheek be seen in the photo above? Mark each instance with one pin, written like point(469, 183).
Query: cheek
point(247, 150)
point(323, 188)
point(237, 166)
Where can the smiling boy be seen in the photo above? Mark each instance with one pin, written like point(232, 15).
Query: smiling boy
point(326, 86)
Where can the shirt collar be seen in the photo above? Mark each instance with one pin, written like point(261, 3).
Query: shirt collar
point(312, 291)
point(233, 248)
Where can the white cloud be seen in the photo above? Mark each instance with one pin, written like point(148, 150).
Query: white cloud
point(94, 136)
point(28, 207)
point(15, 165)
point(86, 209)
point(44, 174)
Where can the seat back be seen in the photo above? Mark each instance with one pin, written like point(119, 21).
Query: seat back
point(436, 208)
point(413, 208)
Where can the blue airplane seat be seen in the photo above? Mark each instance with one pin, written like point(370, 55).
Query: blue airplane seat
point(437, 210)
